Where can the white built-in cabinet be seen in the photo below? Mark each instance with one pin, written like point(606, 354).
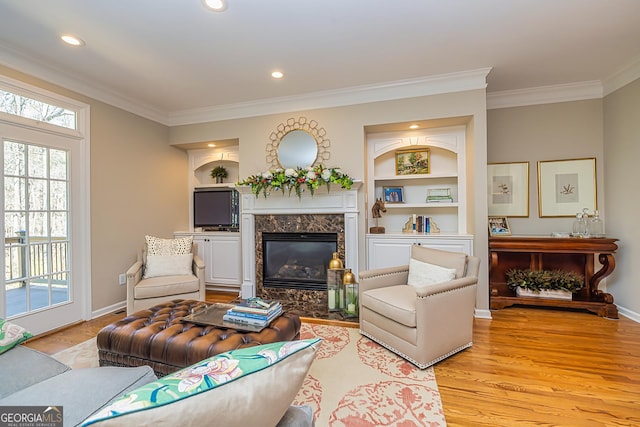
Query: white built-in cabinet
point(222, 255)
point(221, 251)
point(393, 250)
point(447, 163)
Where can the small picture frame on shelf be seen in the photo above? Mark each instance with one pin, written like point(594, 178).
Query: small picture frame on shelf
point(499, 226)
point(393, 194)
point(414, 161)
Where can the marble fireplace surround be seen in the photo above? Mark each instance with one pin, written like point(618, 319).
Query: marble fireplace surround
point(326, 211)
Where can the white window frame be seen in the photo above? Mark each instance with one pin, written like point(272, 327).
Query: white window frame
point(82, 211)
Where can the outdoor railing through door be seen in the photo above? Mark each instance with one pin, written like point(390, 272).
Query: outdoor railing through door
point(38, 260)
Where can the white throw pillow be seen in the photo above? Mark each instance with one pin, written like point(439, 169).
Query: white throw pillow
point(179, 246)
point(424, 274)
point(168, 265)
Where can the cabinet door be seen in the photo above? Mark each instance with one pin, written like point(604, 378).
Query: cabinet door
point(223, 260)
point(383, 253)
point(394, 251)
point(451, 245)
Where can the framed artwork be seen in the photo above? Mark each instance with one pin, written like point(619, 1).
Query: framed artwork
point(499, 226)
point(393, 194)
point(412, 162)
point(565, 187)
point(508, 189)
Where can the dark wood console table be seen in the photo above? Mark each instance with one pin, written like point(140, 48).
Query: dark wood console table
point(551, 253)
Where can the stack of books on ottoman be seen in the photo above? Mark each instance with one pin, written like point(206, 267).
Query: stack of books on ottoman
point(254, 312)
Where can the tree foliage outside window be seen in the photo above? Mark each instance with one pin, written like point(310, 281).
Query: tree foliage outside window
point(30, 108)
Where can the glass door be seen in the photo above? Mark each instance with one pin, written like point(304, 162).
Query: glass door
point(39, 290)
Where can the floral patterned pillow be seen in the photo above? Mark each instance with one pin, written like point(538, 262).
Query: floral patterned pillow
point(11, 335)
point(247, 386)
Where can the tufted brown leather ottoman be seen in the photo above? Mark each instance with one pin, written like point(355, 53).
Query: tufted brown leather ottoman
point(158, 338)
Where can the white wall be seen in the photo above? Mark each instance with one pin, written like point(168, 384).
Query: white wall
point(622, 174)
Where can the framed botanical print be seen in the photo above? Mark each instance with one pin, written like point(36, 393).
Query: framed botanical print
point(566, 187)
point(508, 189)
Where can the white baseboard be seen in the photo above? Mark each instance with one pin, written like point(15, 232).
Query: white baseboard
point(629, 314)
point(482, 314)
point(109, 309)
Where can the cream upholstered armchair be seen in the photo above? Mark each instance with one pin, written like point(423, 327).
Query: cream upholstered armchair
point(166, 269)
point(422, 311)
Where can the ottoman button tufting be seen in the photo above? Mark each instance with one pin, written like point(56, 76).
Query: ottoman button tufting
point(157, 337)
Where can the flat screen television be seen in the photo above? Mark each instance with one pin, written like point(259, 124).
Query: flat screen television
point(216, 209)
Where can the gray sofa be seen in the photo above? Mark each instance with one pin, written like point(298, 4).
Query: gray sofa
point(31, 378)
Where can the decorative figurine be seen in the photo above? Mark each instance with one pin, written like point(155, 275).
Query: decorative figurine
point(376, 212)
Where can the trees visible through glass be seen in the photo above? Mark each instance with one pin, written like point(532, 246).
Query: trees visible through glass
point(30, 108)
point(36, 219)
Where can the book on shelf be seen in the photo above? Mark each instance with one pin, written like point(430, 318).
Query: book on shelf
point(422, 224)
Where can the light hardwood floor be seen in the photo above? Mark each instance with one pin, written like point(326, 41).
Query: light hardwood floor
point(527, 367)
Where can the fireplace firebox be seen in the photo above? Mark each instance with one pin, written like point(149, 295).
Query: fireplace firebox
point(297, 260)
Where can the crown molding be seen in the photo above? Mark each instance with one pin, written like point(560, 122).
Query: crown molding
point(545, 95)
point(400, 89)
point(452, 82)
point(36, 68)
point(622, 77)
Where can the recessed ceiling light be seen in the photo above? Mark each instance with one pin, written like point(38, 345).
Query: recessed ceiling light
point(215, 5)
point(211, 145)
point(414, 127)
point(277, 75)
point(72, 40)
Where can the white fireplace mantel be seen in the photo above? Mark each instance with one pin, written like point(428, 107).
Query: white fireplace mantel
point(334, 201)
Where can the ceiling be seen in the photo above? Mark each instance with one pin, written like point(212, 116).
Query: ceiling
point(173, 60)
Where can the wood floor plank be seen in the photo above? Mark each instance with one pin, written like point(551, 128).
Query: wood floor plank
point(527, 367)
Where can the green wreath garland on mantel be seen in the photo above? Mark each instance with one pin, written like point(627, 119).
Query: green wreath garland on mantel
point(296, 180)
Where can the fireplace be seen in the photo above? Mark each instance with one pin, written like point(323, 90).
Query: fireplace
point(297, 260)
point(324, 212)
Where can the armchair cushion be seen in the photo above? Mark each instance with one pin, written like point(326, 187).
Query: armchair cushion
point(424, 274)
point(455, 260)
point(168, 265)
point(395, 302)
point(162, 286)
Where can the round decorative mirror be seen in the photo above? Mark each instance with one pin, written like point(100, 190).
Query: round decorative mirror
point(297, 143)
point(297, 148)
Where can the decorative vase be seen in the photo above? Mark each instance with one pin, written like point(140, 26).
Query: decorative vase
point(219, 179)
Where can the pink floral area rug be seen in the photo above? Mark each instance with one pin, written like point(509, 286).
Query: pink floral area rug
point(355, 382)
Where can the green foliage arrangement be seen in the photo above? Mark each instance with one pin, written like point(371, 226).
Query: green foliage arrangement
point(544, 280)
point(296, 180)
point(218, 171)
